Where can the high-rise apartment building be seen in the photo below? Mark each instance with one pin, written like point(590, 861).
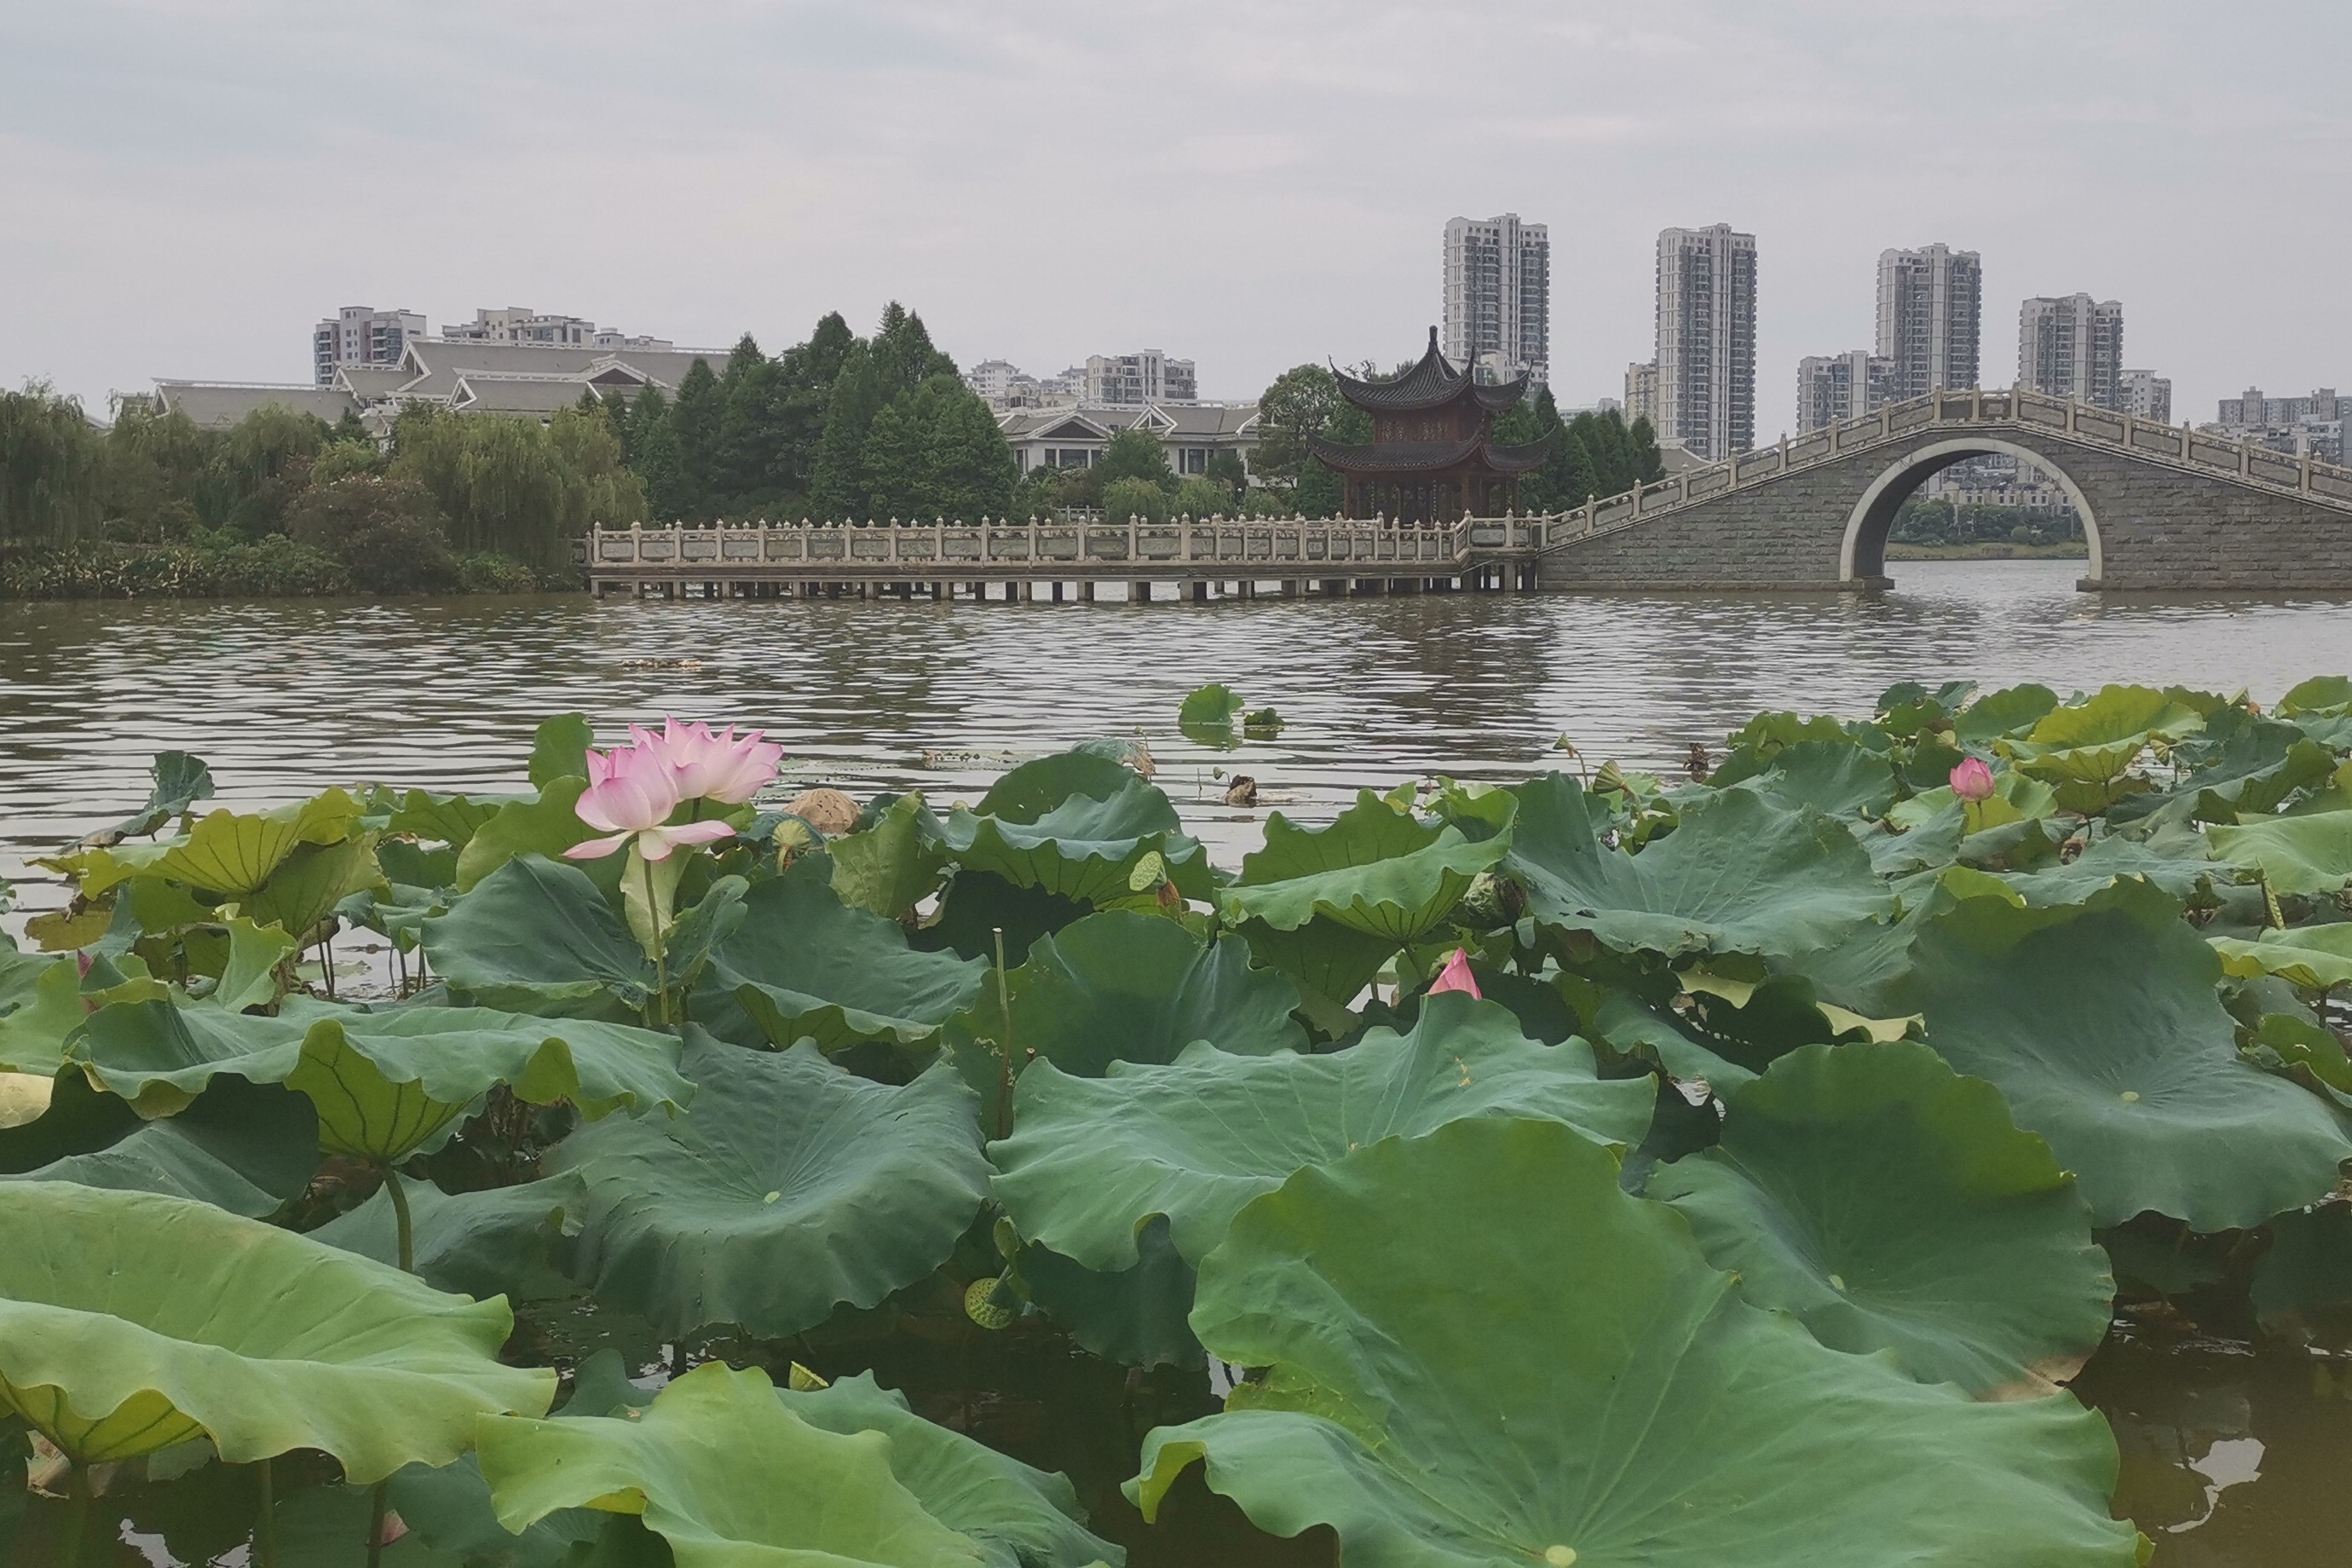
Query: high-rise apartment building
point(1642, 393)
point(2071, 346)
point(1707, 340)
point(1833, 388)
point(1497, 309)
point(1931, 307)
point(1148, 375)
point(361, 334)
point(2147, 396)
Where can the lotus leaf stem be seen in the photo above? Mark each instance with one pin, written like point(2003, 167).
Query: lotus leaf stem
point(402, 1225)
point(378, 1505)
point(264, 1519)
point(660, 943)
point(77, 1517)
point(1004, 1047)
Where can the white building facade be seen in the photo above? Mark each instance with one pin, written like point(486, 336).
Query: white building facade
point(1707, 340)
point(1930, 315)
point(2071, 346)
point(1497, 315)
point(2147, 396)
point(1833, 388)
point(361, 334)
point(1131, 381)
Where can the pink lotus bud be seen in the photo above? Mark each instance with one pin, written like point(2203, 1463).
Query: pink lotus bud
point(1456, 975)
point(1973, 780)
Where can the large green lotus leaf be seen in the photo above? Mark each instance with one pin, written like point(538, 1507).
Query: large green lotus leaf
point(2305, 1278)
point(1074, 824)
point(889, 867)
point(1020, 1516)
point(1091, 1160)
point(1835, 778)
point(247, 1148)
point(1740, 875)
point(1480, 1352)
point(130, 1322)
point(2173, 857)
point(790, 1187)
point(537, 935)
point(1375, 869)
point(2100, 1024)
point(224, 853)
point(180, 780)
point(2012, 711)
point(1331, 963)
point(498, 1241)
point(2245, 766)
point(2321, 694)
point(451, 819)
point(804, 966)
point(40, 1005)
point(2317, 958)
point(1892, 1204)
point(559, 749)
point(2086, 751)
point(547, 826)
point(1119, 987)
point(386, 1084)
point(729, 1476)
point(2293, 853)
point(1135, 1316)
point(308, 883)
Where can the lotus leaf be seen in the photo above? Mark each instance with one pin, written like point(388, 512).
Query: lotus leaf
point(2306, 1275)
point(1833, 777)
point(547, 826)
point(559, 749)
point(2309, 854)
point(2247, 766)
point(2322, 694)
point(223, 853)
point(2173, 857)
point(729, 1476)
point(130, 1322)
point(451, 819)
point(245, 1148)
point(1479, 1352)
point(2317, 958)
point(1020, 1516)
point(1074, 824)
point(536, 935)
point(1134, 1317)
point(180, 780)
point(498, 1241)
point(889, 867)
point(1123, 987)
point(1331, 963)
point(2012, 711)
point(1891, 1204)
point(790, 1187)
point(1375, 869)
point(2100, 1024)
point(40, 1005)
point(804, 966)
point(1210, 705)
point(308, 883)
point(1740, 875)
point(2015, 798)
point(386, 1084)
point(1092, 1160)
point(2086, 751)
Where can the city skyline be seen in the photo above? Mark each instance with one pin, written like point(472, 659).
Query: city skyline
point(165, 173)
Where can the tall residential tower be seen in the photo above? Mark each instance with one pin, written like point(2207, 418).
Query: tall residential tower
point(1497, 309)
point(1707, 340)
point(1929, 311)
point(2072, 347)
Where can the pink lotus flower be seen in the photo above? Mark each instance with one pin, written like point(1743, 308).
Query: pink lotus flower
point(1456, 975)
point(712, 767)
point(631, 792)
point(1973, 780)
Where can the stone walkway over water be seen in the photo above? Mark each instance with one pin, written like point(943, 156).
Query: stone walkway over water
point(2161, 508)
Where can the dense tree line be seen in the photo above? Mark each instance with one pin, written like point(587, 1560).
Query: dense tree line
point(1938, 520)
point(836, 427)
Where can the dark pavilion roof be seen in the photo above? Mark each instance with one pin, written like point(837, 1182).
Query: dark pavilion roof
point(1432, 383)
point(1431, 457)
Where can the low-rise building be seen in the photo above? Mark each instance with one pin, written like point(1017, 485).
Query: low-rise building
point(1003, 386)
point(1077, 437)
point(1835, 388)
point(1145, 376)
point(363, 335)
point(2147, 396)
point(521, 325)
point(2313, 425)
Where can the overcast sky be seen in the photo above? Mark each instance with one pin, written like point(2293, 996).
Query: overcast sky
point(187, 185)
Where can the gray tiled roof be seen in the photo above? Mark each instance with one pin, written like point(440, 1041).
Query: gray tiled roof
point(438, 364)
point(218, 403)
point(539, 397)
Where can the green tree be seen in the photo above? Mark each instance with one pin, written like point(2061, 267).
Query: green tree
point(256, 467)
point(388, 534)
point(50, 465)
point(838, 487)
point(1649, 468)
point(695, 419)
point(903, 353)
point(968, 468)
point(892, 461)
point(1225, 466)
point(1123, 499)
point(1137, 455)
point(1197, 498)
point(1299, 404)
point(652, 447)
point(753, 457)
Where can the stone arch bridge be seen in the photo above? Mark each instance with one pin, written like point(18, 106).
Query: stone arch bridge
point(2161, 506)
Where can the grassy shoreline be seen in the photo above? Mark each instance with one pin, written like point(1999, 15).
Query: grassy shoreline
point(1990, 549)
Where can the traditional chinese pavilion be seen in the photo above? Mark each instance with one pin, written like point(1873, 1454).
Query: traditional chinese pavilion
point(1433, 455)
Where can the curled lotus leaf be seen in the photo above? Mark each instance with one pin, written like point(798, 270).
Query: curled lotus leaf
point(2293, 853)
point(536, 935)
point(2317, 958)
point(40, 1005)
point(729, 1475)
point(1118, 986)
point(804, 966)
point(1739, 875)
point(130, 1321)
point(790, 1187)
point(1376, 869)
point(1479, 1352)
point(1892, 1204)
point(1075, 824)
point(2247, 766)
point(1092, 1160)
point(2100, 1025)
point(180, 780)
point(386, 1084)
point(2085, 751)
point(223, 852)
point(498, 1241)
point(247, 1148)
point(1019, 1517)
point(2173, 857)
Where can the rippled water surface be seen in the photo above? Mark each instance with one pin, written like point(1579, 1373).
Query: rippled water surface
point(2229, 1462)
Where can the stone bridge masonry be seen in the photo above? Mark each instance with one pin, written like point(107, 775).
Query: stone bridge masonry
point(2162, 507)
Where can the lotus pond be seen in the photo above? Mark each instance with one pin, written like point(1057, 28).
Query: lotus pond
point(1804, 1163)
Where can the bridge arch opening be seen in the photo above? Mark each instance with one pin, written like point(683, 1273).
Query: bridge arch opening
point(1862, 557)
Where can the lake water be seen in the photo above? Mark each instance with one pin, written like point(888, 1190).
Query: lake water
point(2227, 1455)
